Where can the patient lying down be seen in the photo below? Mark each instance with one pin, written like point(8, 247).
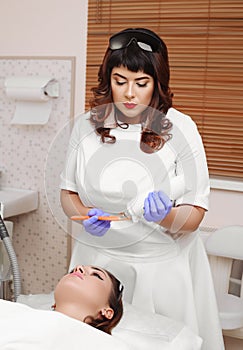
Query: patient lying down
point(88, 294)
point(88, 305)
point(92, 295)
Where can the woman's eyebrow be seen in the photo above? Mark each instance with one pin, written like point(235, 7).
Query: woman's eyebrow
point(119, 75)
point(137, 79)
point(142, 78)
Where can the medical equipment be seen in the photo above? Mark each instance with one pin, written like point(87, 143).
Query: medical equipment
point(12, 257)
point(104, 218)
point(224, 246)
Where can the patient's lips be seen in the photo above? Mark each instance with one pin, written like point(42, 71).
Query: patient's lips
point(78, 274)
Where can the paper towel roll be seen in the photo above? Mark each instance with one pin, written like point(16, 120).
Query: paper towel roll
point(30, 88)
point(33, 95)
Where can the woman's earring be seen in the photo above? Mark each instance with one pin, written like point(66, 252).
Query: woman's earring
point(103, 312)
point(107, 313)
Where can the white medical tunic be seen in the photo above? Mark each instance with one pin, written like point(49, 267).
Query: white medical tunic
point(162, 273)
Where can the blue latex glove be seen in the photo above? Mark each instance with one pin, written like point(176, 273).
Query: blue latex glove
point(156, 206)
point(94, 226)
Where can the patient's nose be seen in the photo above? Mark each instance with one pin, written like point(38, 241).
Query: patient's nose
point(79, 268)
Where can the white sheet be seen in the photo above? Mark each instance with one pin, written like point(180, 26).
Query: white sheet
point(138, 329)
point(25, 328)
point(145, 330)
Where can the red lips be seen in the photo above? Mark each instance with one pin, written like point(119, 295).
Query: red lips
point(129, 105)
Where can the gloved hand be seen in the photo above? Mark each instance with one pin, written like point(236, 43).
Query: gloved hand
point(156, 206)
point(94, 226)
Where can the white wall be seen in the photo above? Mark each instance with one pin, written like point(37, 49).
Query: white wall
point(225, 208)
point(46, 28)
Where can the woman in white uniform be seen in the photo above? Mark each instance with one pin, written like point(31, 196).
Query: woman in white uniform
point(135, 155)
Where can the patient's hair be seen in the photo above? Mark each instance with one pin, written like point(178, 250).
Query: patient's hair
point(115, 302)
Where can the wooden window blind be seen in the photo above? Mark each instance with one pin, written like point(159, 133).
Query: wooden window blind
point(205, 43)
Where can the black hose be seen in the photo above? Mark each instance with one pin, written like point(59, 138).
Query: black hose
point(12, 257)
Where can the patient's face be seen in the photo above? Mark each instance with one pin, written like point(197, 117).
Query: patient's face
point(85, 287)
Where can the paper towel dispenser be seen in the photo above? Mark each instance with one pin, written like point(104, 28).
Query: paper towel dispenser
point(31, 88)
point(33, 96)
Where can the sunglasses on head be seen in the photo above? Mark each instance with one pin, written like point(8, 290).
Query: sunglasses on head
point(145, 41)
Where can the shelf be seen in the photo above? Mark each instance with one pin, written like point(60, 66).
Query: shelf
point(17, 201)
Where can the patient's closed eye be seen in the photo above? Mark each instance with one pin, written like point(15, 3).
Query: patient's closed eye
point(97, 275)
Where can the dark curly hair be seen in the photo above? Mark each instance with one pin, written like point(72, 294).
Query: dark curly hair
point(155, 125)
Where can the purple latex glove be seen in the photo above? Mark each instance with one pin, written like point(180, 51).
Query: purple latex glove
point(156, 206)
point(94, 226)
